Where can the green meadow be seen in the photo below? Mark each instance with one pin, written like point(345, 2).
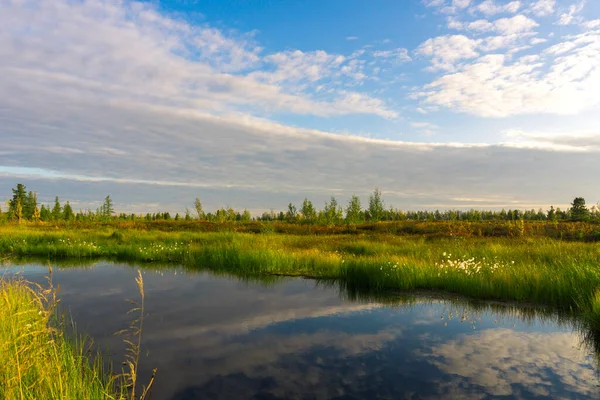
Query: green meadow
point(524, 264)
point(563, 274)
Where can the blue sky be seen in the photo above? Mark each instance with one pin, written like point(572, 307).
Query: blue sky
point(440, 103)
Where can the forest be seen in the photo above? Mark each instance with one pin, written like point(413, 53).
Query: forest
point(23, 205)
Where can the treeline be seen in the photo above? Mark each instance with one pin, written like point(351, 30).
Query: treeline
point(24, 206)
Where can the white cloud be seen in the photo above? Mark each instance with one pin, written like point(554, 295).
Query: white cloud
point(433, 3)
point(446, 51)
point(516, 24)
point(504, 26)
point(509, 363)
point(542, 8)
point(564, 140)
point(398, 55)
point(351, 37)
point(297, 67)
point(572, 14)
point(449, 10)
point(594, 24)
point(129, 51)
point(563, 81)
point(461, 3)
point(535, 41)
point(421, 125)
point(490, 7)
point(256, 163)
point(455, 24)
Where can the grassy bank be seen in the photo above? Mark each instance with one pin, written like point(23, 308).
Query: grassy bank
point(539, 270)
point(37, 361)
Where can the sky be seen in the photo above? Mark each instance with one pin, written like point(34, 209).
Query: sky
point(457, 104)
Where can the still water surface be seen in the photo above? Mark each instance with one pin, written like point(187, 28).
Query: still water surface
point(220, 338)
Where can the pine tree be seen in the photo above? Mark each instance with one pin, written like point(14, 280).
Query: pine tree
point(29, 205)
point(579, 211)
point(107, 209)
point(45, 213)
point(19, 197)
point(68, 214)
point(56, 210)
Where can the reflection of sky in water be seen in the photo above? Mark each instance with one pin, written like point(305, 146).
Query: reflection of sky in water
point(217, 337)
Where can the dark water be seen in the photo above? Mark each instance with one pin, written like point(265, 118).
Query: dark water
point(219, 338)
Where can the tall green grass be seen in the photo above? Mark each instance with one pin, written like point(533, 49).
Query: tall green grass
point(37, 361)
point(537, 270)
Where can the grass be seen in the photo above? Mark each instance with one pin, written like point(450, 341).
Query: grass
point(38, 360)
point(529, 269)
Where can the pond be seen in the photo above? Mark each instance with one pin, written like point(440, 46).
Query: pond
point(219, 337)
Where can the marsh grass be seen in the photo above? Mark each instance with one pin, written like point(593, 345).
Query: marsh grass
point(39, 360)
point(538, 270)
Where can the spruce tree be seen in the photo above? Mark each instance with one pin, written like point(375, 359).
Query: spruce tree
point(56, 210)
point(19, 197)
point(68, 214)
point(579, 211)
point(45, 214)
point(29, 205)
point(107, 209)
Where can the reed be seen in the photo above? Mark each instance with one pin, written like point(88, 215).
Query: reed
point(539, 270)
point(39, 360)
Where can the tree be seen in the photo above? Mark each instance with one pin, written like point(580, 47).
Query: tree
point(308, 211)
point(292, 213)
point(579, 211)
point(246, 216)
point(19, 211)
point(56, 210)
point(332, 212)
point(36, 216)
point(376, 208)
point(354, 210)
point(551, 214)
point(19, 197)
point(45, 214)
point(199, 211)
point(29, 205)
point(68, 214)
point(107, 209)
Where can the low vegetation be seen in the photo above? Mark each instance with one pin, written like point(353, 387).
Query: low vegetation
point(39, 360)
point(541, 270)
point(539, 258)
